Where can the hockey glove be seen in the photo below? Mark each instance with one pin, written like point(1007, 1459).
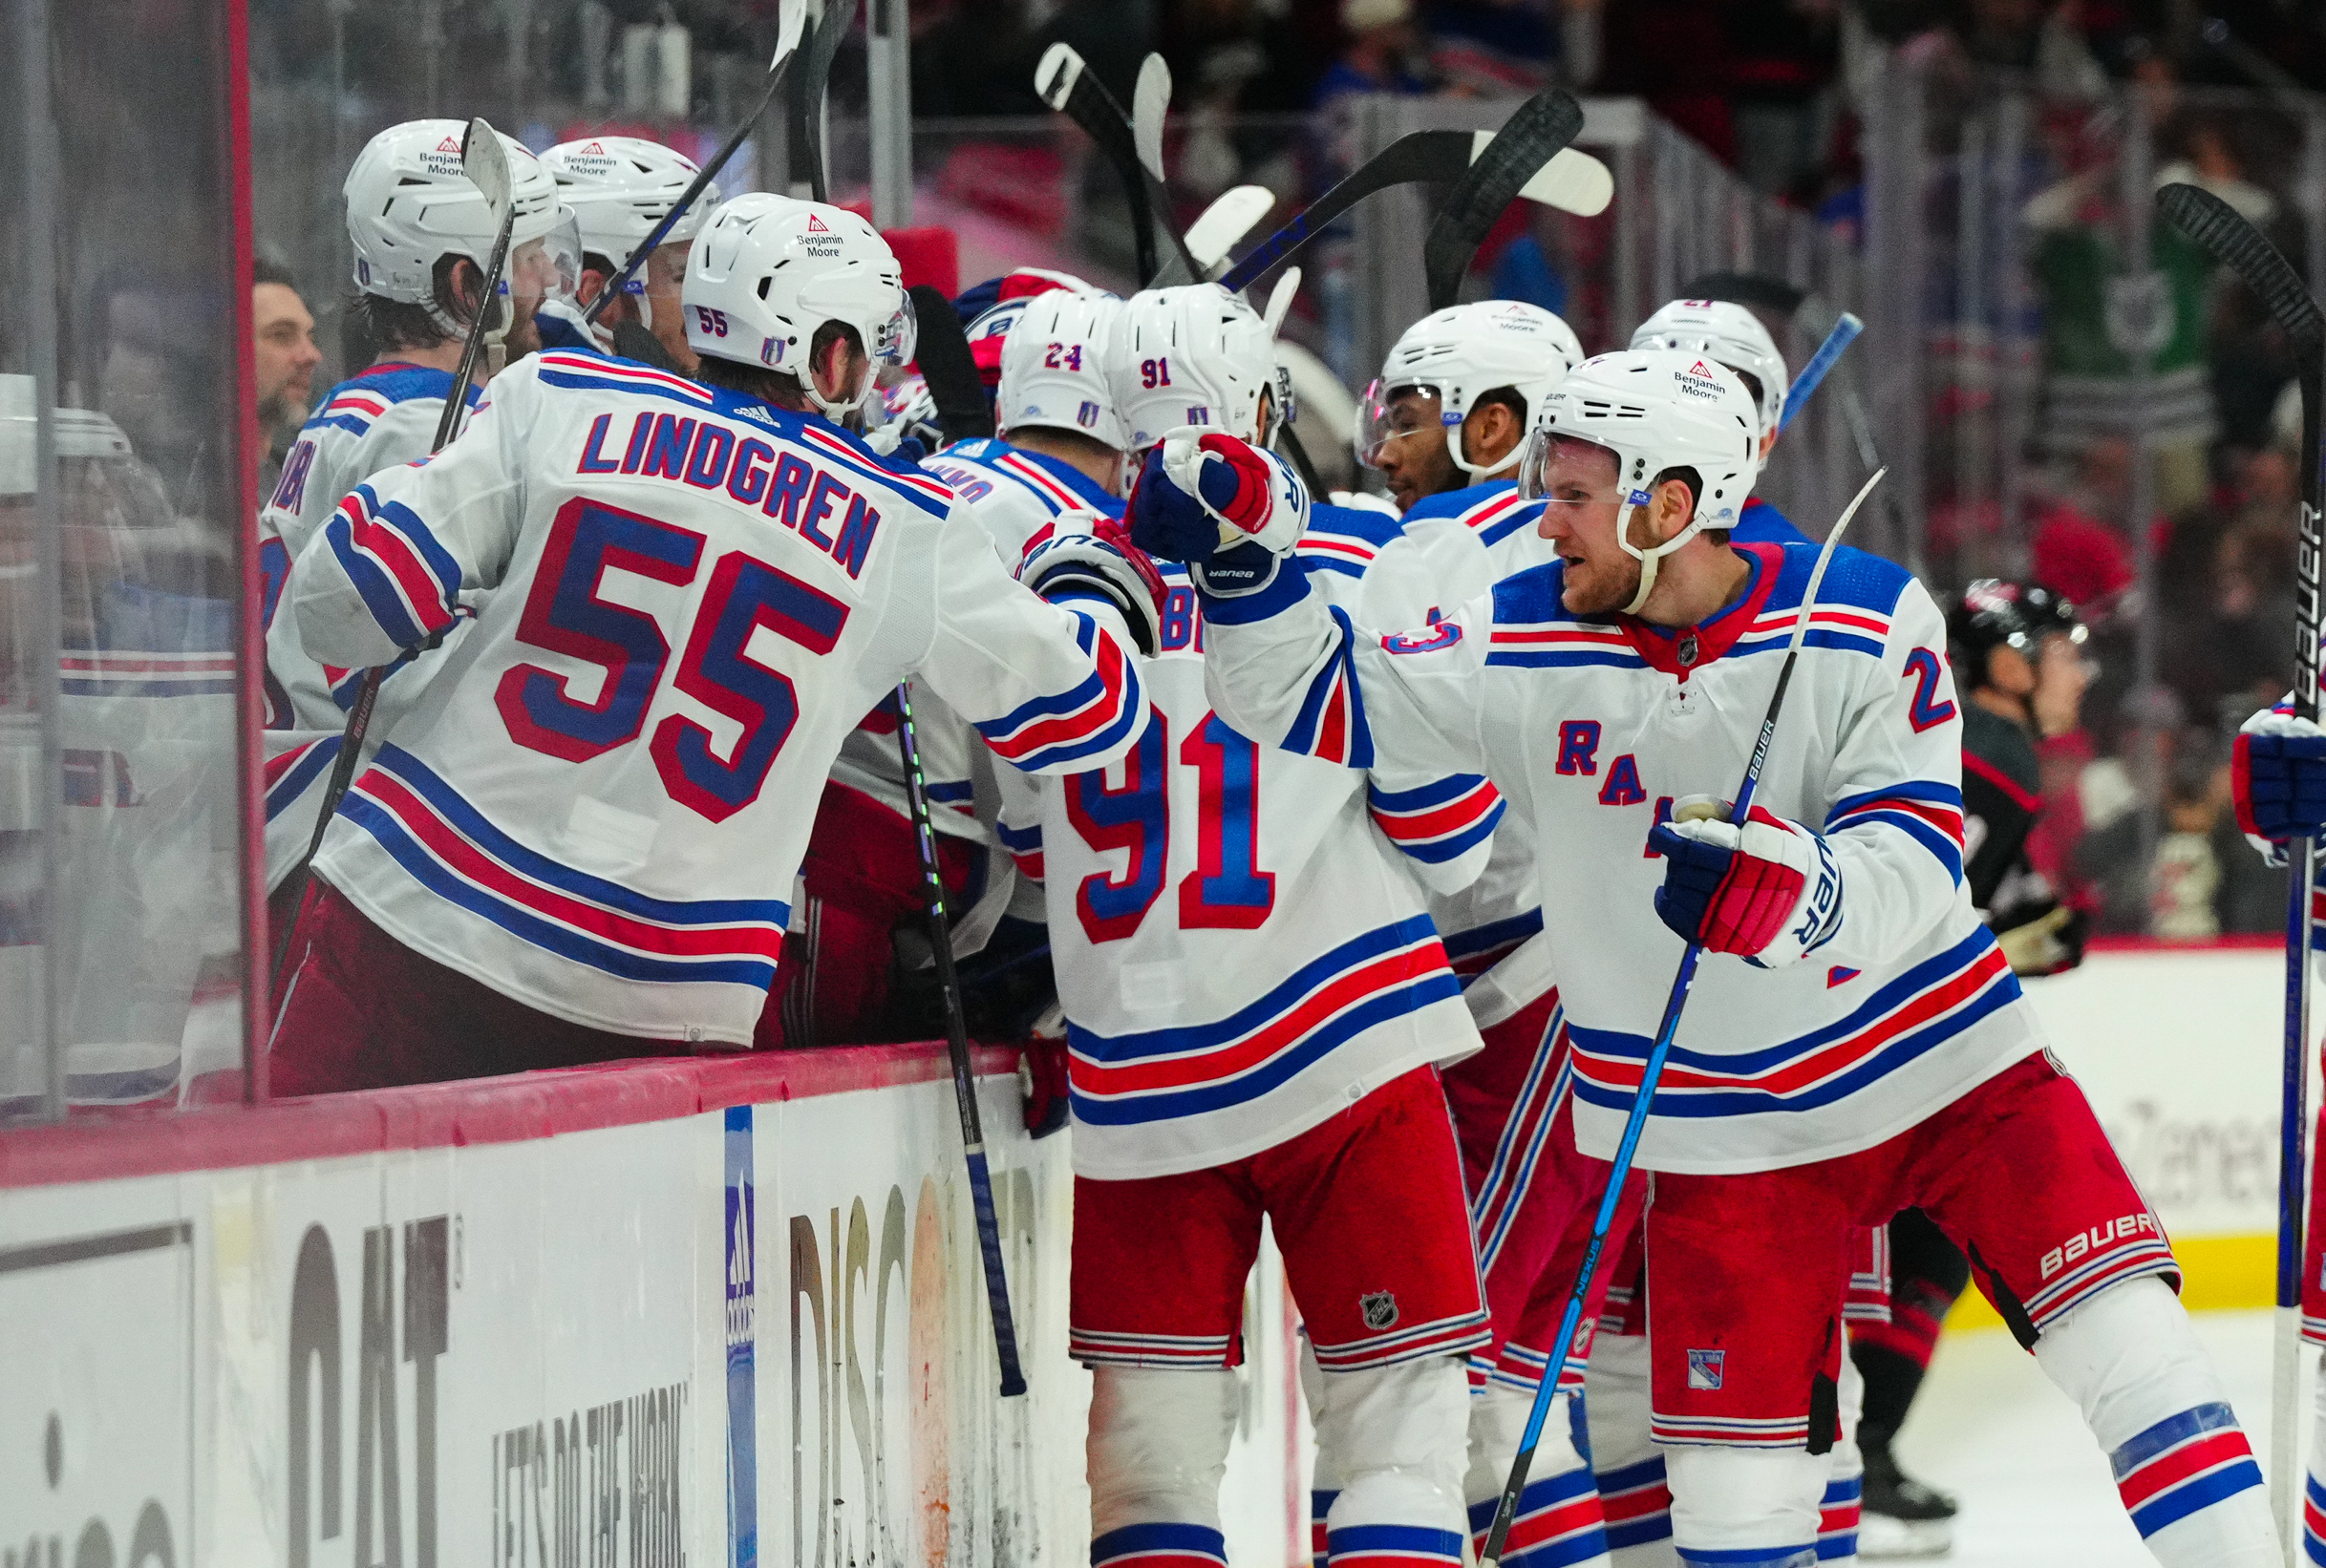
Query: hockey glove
point(2050, 943)
point(2277, 777)
point(1768, 891)
point(1083, 552)
point(562, 327)
point(1201, 497)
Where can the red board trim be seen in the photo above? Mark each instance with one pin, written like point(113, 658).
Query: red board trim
point(250, 641)
point(508, 1110)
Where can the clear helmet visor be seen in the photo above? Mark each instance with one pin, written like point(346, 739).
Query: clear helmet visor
point(898, 339)
point(1387, 415)
point(1563, 469)
point(561, 260)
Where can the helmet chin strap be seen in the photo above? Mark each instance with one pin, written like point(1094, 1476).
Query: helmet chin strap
point(1649, 559)
point(837, 413)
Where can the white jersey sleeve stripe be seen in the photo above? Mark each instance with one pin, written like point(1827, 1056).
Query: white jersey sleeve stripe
point(406, 579)
point(1930, 813)
point(1162, 1073)
point(449, 846)
point(570, 370)
point(1440, 820)
point(1050, 732)
point(289, 773)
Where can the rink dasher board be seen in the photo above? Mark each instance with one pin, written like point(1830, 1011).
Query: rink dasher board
point(551, 1348)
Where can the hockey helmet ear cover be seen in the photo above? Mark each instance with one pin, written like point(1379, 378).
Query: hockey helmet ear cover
point(768, 272)
point(409, 204)
point(1655, 411)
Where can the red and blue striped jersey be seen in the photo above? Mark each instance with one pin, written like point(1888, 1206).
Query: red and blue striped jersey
point(1240, 934)
point(376, 419)
point(687, 600)
point(1593, 727)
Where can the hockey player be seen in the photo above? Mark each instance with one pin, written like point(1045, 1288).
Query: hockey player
point(619, 189)
point(1875, 1053)
point(1060, 435)
point(1734, 337)
point(422, 236)
point(1254, 997)
point(582, 844)
point(1454, 396)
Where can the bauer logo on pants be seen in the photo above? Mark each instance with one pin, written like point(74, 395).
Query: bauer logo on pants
point(1380, 1309)
point(1705, 1367)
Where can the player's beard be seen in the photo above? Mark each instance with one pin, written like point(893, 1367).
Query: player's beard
point(1604, 587)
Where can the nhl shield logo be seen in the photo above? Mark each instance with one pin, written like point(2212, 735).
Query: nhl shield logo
point(1705, 1368)
point(1380, 1309)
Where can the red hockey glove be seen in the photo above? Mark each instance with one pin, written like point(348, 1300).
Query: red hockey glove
point(1768, 891)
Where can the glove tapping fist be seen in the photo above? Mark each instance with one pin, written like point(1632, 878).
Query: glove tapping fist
point(1085, 552)
point(1200, 492)
point(1766, 890)
point(2277, 777)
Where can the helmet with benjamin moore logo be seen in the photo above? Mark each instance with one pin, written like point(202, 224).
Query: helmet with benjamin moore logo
point(1054, 368)
point(1731, 334)
point(1458, 355)
point(1654, 411)
point(409, 204)
point(767, 272)
point(620, 187)
point(1193, 355)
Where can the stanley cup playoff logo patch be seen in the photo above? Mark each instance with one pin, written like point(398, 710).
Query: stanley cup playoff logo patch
point(1704, 1368)
point(1380, 1309)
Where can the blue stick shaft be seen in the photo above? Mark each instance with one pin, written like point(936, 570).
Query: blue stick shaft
point(1829, 352)
point(2293, 1121)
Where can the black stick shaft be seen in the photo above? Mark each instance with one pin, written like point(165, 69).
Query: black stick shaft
point(958, 1043)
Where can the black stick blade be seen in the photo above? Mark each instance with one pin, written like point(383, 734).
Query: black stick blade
point(1762, 288)
point(2244, 250)
point(949, 368)
point(1543, 126)
point(1415, 157)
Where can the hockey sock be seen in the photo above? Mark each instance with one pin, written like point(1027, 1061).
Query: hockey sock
point(2314, 1495)
point(1395, 1436)
point(1837, 1524)
point(1634, 1495)
point(1746, 1508)
point(1325, 1484)
point(1158, 1450)
point(2131, 1362)
point(1558, 1522)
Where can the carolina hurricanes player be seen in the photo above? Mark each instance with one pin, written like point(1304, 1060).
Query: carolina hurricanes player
point(582, 844)
point(619, 189)
point(1254, 997)
point(422, 235)
point(1734, 337)
point(2278, 775)
point(1873, 1052)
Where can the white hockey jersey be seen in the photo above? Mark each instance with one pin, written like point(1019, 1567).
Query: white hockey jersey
point(376, 419)
point(599, 808)
point(1016, 493)
point(1450, 548)
point(1592, 727)
point(1241, 943)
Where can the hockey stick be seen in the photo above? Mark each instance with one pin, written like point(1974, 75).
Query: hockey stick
point(1150, 103)
point(958, 1043)
point(790, 20)
point(486, 163)
point(1068, 86)
point(1506, 1509)
point(2238, 245)
point(807, 95)
point(947, 368)
point(1531, 139)
point(1821, 365)
point(1220, 225)
point(1573, 181)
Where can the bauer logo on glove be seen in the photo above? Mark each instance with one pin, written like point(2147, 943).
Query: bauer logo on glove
point(1200, 490)
point(1768, 891)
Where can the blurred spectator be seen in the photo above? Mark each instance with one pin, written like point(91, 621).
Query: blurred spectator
point(285, 357)
point(1378, 57)
point(2080, 547)
point(1491, 48)
point(2186, 875)
point(1781, 57)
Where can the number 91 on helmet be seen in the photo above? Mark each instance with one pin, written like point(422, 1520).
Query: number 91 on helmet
point(801, 289)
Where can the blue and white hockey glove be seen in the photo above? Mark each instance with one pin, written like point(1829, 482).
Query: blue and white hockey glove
point(1768, 891)
point(1227, 508)
point(561, 328)
point(1086, 553)
point(2277, 778)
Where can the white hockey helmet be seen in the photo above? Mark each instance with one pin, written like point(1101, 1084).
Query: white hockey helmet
point(1655, 410)
point(1460, 353)
point(767, 272)
point(1195, 355)
point(1731, 334)
point(408, 206)
point(1054, 368)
